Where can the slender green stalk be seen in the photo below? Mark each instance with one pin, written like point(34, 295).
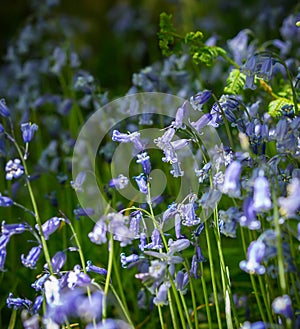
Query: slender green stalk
point(12, 321)
point(213, 278)
point(280, 257)
point(173, 316)
point(34, 205)
point(186, 310)
point(161, 320)
point(108, 276)
point(205, 293)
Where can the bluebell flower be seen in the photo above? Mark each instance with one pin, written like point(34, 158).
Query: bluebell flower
point(2, 258)
point(249, 218)
point(14, 169)
point(164, 141)
point(83, 212)
point(5, 201)
point(202, 122)
point(143, 241)
point(156, 240)
point(177, 223)
point(141, 181)
point(79, 180)
point(290, 205)
point(60, 60)
point(120, 182)
point(38, 285)
point(180, 115)
point(77, 278)
point(90, 267)
point(32, 322)
point(10, 229)
point(31, 259)
point(255, 254)
point(254, 325)
point(194, 267)
point(239, 46)
point(170, 212)
point(126, 138)
point(125, 260)
point(28, 130)
point(18, 303)
point(50, 226)
point(228, 221)
point(98, 235)
point(265, 70)
point(176, 170)
point(58, 261)
point(181, 281)
point(142, 299)
point(52, 290)
point(37, 304)
point(162, 295)
point(198, 100)
point(4, 111)
point(188, 214)
point(144, 160)
point(261, 195)
point(231, 184)
point(178, 245)
point(135, 219)
point(283, 305)
point(199, 255)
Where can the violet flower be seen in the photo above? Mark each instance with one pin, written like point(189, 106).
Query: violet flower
point(5, 201)
point(14, 169)
point(162, 295)
point(4, 111)
point(198, 100)
point(31, 259)
point(18, 303)
point(283, 305)
point(231, 184)
point(120, 182)
point(141, 181)
point(50, 226)
point(28, 130)
point(255, 254)
point(261, 196)
point(90, 267)
point(290, 205)
point(144, 160)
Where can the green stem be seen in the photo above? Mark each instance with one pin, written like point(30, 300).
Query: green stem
point(205, 293)
point(34, 206)
point(108, 276)
point(174, 320)
point(213, 278)
point(280, 256)
point(161, 320)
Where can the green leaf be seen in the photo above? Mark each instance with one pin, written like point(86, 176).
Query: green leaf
point(235, 82)
point(207, 54)
point(275, 107)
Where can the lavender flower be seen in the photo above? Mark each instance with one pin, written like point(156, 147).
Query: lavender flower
point(17, 303)
point(50, 226)
point(10, 229)
point(90, 267)
point(126, 138)
point(181, 281)
point(283, 305)
point(202, 122)
point(144, 160)
point(198, 100)
point(32, 257)
point(290, 205)
point(255, 254)
point(77, 278)
point(161, 297)
point(13, 169)
point(38, 285)
point(37, 304)
point(2, 258)
point(180, 114)
point(249, 218)
point(120, 182)
point(5, 201)
point(4, 111)
point(58, 261)
point(141, 181)
point(28, 130)
point(79, 180)
point(156, 241)
point(255, 325)
point(98, 235)
point(231, 184)
point(261, 196)
point(178, 245)
point(125, 260)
